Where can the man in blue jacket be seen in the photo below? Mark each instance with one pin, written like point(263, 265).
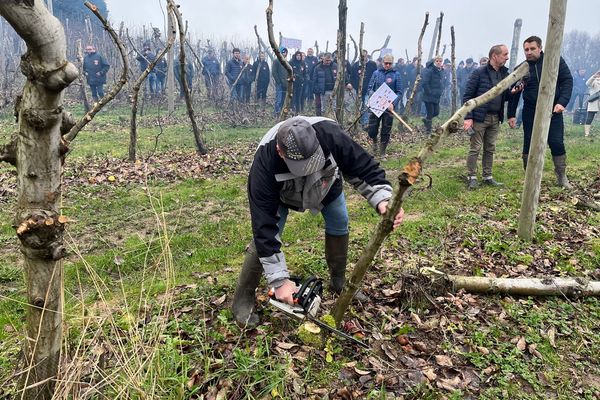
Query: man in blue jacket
point(299, 165)
point(211, 71)
point(483, 123)
point(564, 87)
point(95, 68)
point(233, 69)
point(384, 75)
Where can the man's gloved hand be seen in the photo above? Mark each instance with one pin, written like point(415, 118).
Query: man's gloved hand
point(285, 292)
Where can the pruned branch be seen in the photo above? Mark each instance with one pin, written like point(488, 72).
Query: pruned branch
point(453, 60)
point(439, 36)
point(387, 40)
point(415, 87)
point(283, 61)
point(263, 45)
point(69, 137)
point(407, 178)
point(356, 52)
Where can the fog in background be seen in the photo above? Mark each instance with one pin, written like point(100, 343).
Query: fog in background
point(478, 24)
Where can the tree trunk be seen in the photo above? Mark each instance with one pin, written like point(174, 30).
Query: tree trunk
point(514, 49)
point(340, 82)
point(453, 59)
point(186, 91)
point(415, 87)
point(406, 179)
point(541, 122)
point(288, 98)
point(39, 159)
point(170, 73)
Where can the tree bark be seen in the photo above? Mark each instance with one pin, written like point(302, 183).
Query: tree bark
point(415, 87)
point(186, 91)
point(290, 87)
point(339, 88)
point(514, 49)
point(453, 59)
point(541, 122)
point(72, 134)
point(407, 178)
point(39, 158)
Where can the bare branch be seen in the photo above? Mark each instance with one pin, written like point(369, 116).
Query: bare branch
point(415, 87)
point(387, 40)
point(69, 137)
point(262, 44)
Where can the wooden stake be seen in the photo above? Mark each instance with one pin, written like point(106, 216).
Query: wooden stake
point(399, 118)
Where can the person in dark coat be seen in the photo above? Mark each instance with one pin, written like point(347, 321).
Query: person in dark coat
point(95, 68)
point(386, 75)
point(280, 76)
point(298, 166)
point(355, 73)
point(246, 78)
point(144, 59)
point(529, 88)
point(432, 90)
point(483, 123)
point(299, 77)
point(462, 76)
point(211, 71)
point(233, 68)
point(324, 80)
point(579, 90)
point(311, 62)
point(262, 78)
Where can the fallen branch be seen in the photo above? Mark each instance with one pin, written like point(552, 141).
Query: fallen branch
point(406, 179)
point(415, 87)
point(570, 287)
point(72, 134)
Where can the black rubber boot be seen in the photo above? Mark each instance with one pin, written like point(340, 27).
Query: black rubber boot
point(375, 146)
point(245, 291)
point(525, 157)
point(336, 255)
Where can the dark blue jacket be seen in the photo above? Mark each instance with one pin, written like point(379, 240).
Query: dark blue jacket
point(95, 69)
point(479, 82)
point(562, 95)
point(212, 67)
point(299, 70)
point(232, 70)
point(311, 63)
point(263, 73)
point(324, 77)
point(391, 78)
point(432, 83)
point(145, 59)
point(370, 68)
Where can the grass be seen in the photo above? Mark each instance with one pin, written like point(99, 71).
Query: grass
point(149, 264)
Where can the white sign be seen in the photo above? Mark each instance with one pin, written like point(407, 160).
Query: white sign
point(381, 100)
point(291, 43)
point(385, 51)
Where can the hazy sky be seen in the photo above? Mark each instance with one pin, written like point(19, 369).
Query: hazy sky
point(478, 24)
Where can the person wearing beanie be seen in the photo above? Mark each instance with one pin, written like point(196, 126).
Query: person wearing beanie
point(298, 166)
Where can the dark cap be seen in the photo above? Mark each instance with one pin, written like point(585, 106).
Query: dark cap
point(469, 61)
point(298, 140)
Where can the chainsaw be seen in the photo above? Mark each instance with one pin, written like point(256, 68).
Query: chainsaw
point(307, 301)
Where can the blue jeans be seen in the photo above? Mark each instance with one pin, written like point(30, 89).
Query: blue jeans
point(280, 92)
point(335, 215)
